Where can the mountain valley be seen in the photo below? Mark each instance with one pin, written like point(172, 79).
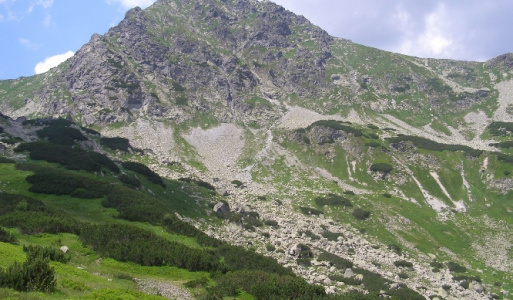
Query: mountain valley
point(342, 170)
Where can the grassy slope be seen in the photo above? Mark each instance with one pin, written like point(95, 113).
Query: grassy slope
point(87, 274)
point(425, 231)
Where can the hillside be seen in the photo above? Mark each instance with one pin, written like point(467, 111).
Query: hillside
point(342, 162)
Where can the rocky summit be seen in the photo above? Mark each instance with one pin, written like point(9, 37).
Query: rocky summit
point(347, 164)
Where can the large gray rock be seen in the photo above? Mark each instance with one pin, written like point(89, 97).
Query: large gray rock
point(348, 273)
point(222, 208)
point(476, 286)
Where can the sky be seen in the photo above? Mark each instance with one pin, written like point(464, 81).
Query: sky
point(39, 34)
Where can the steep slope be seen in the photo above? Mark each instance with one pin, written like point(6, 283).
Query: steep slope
point(376, 157)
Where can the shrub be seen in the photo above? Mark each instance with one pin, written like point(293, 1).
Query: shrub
point(381, 167)
point(12, 140)
point(387, 195)
point(349, 193)
point(305, 262)
point(236, 258)
point(116, 143)
point(61, 135)
point(337, 125)
point(436, 264)
point(331, 236)
point(262, 285)
point(271, 223)
point(130, 181)
point(360, 214)
point(305, 251)
point(237, 183)
point(173, 224)
point(4, 160)
point(252, 221)
point(333, 200)
point(310, 211)
point(373, 144)
point(337, 261)
point(505, 144)
point(200, 282)
point(434, 146)
point(198, 182)
point(90, 131)
point(134, 205)
point(177, 87)
point(395, 249)
point(33, 222)
point(35, 274)
point(403, 275)
point(181, 100)
point(312, 235)
point(31, 216)
point(73, 159)
point(500, 128)
point(7, 237)
point(456, 268)
point(62, 182)
point(270, 247)
point(46, 252)
point(143, 170)
point(130, 243)
point(403, 263)
point(465, 284)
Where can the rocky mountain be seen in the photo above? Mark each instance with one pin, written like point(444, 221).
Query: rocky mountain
point(401, 165)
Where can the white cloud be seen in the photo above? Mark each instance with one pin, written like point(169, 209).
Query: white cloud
point(28, 44)
point(52, 61)
point(45, 3)
point(133, 3)
point(433, 36)
point(47, 20)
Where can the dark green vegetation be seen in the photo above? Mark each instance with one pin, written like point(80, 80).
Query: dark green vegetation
point(71, 158)
point(143, 170)
point(333, 200)
point(7, 237)
point(61, 135)
point(310, 211)
point(381, 167)
point(501, 129)
point(424, 143)
point(116, 143)
point(337, 125)
point(361, 214)
point(33, 275)
point(334, 260)
point(374, 283)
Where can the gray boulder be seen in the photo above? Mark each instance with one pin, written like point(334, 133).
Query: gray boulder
point(222, 208)
point(476, 286)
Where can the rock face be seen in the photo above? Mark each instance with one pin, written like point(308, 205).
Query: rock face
point(231, 59)
point(172, 61)
point(476, 286)
point(222, 208)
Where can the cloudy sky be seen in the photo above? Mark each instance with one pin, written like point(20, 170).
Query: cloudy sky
point(38, 34)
